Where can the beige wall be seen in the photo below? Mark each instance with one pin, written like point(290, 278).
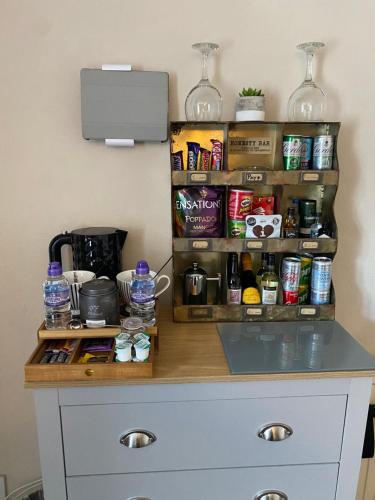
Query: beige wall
point(53, 180)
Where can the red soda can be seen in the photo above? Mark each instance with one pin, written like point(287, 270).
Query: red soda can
point(290, 275)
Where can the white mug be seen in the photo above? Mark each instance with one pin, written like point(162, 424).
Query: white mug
point(124, 279)
point(75, 280)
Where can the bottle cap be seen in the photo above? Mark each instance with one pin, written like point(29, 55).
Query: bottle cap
point(142, 267)
point(54, 269)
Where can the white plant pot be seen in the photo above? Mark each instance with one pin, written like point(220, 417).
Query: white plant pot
point(250, 108)
point(250, 115)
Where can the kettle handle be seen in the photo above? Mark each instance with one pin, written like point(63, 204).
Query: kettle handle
point(55, 245)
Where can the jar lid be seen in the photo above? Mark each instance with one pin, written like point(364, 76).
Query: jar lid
point(98, 287)
point(133, 323)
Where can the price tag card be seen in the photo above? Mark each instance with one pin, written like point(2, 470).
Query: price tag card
point(309, 311)
point(309, 245)
point(252, 312)
point(254, 178)
point(255, 245)
point(199, 245)
point(200, 313)
point(311, 178)
point(199, 177)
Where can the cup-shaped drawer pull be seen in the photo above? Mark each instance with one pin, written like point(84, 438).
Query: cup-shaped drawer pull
point(271, 495)
point(138, 438)
point(275, 432)
point(139, 498)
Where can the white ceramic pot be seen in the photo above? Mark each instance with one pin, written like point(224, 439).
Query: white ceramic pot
point(250, 108)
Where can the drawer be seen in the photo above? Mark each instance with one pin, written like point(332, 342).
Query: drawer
point(301, 482)
point(201, 434)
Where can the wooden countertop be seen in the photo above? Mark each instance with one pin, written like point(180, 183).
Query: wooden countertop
point(193, 353)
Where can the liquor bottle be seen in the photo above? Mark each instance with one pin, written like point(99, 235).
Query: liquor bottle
point(250, 292)
point(269, 285)
point(317, 225)
point(290, 226)
point(233, 280)
point(262, 269)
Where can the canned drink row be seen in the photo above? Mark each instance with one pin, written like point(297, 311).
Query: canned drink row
point(305, 152)
point(297, 285)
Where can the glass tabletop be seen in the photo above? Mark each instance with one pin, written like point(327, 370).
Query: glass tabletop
point(292, 347)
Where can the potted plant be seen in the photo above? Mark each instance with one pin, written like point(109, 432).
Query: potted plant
point(250, 105)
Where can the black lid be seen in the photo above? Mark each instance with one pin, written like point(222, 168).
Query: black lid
point(98, 287)
point(95, 231)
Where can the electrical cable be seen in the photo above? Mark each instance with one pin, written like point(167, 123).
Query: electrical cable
point(23, 487)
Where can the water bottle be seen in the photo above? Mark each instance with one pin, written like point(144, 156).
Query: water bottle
point(56, 298)
point(142, 294)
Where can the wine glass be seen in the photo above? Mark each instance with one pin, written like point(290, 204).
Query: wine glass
point(308, 102)
point(204, 102)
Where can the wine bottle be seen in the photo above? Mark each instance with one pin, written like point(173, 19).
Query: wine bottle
point(233, 280)
point(270, 282)
point(262, 269)
point(250, 292)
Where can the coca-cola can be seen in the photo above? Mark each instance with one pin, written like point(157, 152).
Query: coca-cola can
point(290, 275)
point(323, 152)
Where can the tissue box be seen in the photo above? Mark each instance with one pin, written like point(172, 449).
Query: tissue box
point(263, 226)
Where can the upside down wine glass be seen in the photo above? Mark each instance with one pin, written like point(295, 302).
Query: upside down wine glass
point(308, 102)
point(204, 102)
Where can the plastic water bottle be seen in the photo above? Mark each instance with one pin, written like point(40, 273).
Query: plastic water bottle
point(142, 294)
point(56, 298)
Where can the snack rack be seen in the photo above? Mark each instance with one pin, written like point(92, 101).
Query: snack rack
point(260, 169)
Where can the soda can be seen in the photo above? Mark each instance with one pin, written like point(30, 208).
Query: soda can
point(306, 152)
point(323, 152)
point(321, 275)
point(292, 147)
point(318, 298)
point(236, 229)
point(290, 274)
point(303, 294)
point(240, 204)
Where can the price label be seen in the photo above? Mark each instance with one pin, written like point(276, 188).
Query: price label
point(254, 245)
point(200, 312)
point(254, 178)
point(252, 312)
point(309, 245)
point(200, 245)
point(311, 178)
point(309, 311)
point(201, 177)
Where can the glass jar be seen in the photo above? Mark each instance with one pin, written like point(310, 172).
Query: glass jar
point(132, 326)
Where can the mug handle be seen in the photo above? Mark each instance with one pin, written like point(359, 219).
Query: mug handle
point(163, 276)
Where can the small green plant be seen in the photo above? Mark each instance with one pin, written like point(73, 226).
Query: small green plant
point(250, 92)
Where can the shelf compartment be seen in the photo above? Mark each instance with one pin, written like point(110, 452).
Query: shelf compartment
point(254, 178)
point(273, 245)
point(253, 313)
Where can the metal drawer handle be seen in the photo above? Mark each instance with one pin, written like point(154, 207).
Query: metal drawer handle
point(138, 439)
point(275, 432)
point(139, 498)
point(271, 495)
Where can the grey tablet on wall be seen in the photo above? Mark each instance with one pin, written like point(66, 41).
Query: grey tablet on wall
point(124, 105)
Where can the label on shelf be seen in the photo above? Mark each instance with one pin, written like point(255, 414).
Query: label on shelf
point(254, 245)
point(199, 245)
point(311, 178)
point(309, 245)
point(200, 312)
point(199, 177)
point(250, 312)
point(254, 178)
point(250, 145)
point(309, 311)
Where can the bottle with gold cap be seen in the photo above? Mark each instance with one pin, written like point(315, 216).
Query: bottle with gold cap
point(250, 291)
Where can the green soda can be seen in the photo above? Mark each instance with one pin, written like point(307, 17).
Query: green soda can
point(236, 228)
point(292, 151)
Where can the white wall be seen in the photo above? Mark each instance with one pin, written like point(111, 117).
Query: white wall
point(53, 180)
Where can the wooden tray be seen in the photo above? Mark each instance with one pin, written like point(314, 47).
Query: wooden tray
point(74, 371)
point(85, 333)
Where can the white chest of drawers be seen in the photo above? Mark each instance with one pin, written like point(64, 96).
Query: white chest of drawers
point(208, 440)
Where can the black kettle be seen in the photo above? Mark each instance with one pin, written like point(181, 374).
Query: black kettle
point(96, 249)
